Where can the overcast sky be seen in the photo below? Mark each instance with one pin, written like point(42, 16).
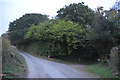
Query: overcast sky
point(13, 9)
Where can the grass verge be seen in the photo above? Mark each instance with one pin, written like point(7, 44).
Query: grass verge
point(100, 70)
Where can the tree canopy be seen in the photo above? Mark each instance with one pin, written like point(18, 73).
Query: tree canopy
point(77, 31)
point(19, 27)
point(78, 13)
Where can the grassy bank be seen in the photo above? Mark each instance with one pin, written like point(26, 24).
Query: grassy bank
point(100, 70)
point(13, 64)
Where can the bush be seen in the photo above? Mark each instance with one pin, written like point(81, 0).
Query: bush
point(62, 37)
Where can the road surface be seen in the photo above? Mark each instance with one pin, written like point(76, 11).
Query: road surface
point(41, 68)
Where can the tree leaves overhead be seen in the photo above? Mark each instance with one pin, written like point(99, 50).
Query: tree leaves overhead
point(78, 13)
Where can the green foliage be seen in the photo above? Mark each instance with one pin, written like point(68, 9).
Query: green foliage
point(103, 33)
point(19, 27)
point(62, 36)
point(112, 16)
point(98, 33)
point(78, 13)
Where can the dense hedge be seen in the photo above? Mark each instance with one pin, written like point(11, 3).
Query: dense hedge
point(63, 38)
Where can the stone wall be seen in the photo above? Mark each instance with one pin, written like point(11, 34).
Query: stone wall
point(114, 63)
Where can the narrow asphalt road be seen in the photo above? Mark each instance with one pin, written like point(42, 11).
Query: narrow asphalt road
point(41, 68)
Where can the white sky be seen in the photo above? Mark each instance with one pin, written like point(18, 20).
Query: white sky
point(13, 9)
